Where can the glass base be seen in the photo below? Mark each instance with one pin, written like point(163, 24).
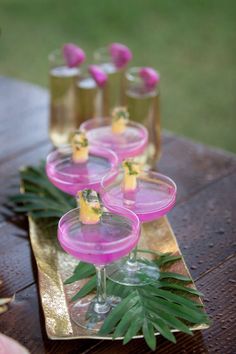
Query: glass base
point(141, 272)
point(87, 313)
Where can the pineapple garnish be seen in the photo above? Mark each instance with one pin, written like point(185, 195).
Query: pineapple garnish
point(79, 143)
point(90, 208)
point(120, 118)
point(131, 172)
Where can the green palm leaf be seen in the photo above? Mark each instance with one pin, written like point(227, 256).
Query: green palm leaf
point(41, 199)
point(86, 289)
point(118, 312)
point(179, 311)
point(161, 306)
point(178, 287)
point(81, 271)
point(149, 334)
point(133, 330)
point(126, 321)
point(45, 214)
point(167, 259)
point(170, 320)
point(172, 297)
point(165, 275)
point(164, 330)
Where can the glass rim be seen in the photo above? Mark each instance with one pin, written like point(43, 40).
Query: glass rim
point(141, 144)
point(112, 176)
point(62, 176)
point(135, 81)
point(132, 73)
point(121, 211)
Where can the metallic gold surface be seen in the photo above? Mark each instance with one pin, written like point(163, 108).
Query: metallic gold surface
point(54, 266)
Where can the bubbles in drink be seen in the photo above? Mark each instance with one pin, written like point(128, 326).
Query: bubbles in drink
point(145, 109)
point(63, 110)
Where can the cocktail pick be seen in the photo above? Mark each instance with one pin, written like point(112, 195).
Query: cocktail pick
point(80, 147)
point(120, 118)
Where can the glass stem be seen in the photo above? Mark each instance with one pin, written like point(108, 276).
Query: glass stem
point(132, 265)
point(133, 256)
point(101, 305)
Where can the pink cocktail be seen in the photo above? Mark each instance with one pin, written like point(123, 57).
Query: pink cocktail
point(130, 143)
point(153, 198)
point(70, 177)
point(113, 237)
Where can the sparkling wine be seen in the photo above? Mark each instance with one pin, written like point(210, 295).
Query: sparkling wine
point(87, 99)
point(63, 107)
point(146, 109)
point(143, 104)
point(113, 91)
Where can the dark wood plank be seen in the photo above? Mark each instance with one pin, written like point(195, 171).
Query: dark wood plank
point(18, 97)
point(15, 260)
point(219, 287)
point(205, 225)
point(185, 345)
point(194, 166)
point(23, 117)
point(24, 322)
point(29, 134)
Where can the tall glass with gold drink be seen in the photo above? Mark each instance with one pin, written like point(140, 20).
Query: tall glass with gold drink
point(89, 91)
point(113, 61)
point(63, 75)
point(143, 102)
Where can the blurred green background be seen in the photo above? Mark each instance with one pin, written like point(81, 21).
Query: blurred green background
point(191, 43)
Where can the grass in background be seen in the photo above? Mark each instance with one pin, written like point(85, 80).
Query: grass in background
point(191, 43)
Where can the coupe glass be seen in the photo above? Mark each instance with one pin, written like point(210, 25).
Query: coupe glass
point(131, 143)
point(113, 237)
point(153, 198)
point(143, 103)
point(71, 177)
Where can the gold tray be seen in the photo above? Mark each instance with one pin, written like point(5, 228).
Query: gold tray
point(54, 266)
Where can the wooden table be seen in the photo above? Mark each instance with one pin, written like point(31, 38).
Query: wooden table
point(203, 220)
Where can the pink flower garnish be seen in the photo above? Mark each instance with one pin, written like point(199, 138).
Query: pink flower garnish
point(150, 77)
point(98, 75)
point(74, 56)
point(120, 54)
